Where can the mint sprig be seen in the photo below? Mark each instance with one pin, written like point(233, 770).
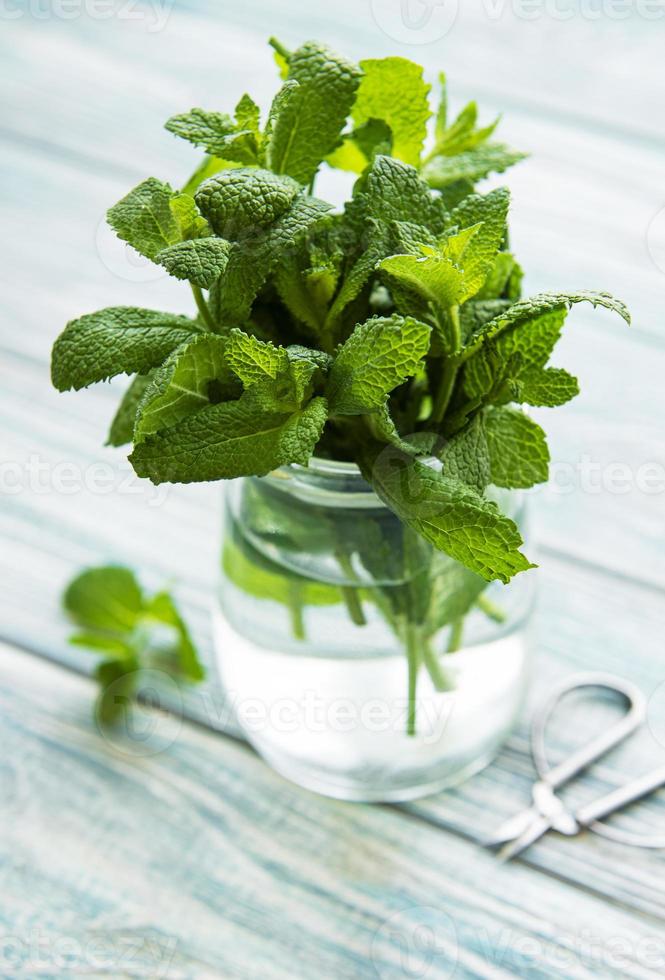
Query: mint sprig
point(131, 630)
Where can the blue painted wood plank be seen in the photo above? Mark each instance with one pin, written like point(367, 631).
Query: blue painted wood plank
point(197, 861)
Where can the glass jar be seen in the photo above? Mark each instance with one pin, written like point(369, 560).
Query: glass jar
point(361, 662)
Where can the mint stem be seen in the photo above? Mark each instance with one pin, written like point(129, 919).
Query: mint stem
point(413, 662)
point(456, 633)
point(296, 610)
point(434, 669)
point(202, 307)
point(350, 592)
point(450, 368)
point(491, 610)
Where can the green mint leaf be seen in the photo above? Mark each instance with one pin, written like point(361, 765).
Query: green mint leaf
point(361, 146)
point(201, 260)
point(226, 441)
point(254, 360)
point(117, 340)
point(378, 356)
point(206, 129)
point(306, 126)
point(122, 426)
point(450, 515)
point(435, 278)
point(472, 165)
point(466, 456)
point(247, 115)
point(504, 279)
point(394, 191)
point(488, 214)
point(518, 451)
point(546, 387)
point(521, 340)
point(153, 216)
point(107, 599)
point(252, 259)
point(193, 376)
point(163, 609)
point(393, 90)
point(238, 200)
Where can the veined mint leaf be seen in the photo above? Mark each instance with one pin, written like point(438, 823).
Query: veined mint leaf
point(393, 90)
point(122, 426)
point(521, 340)
point(254, 360)
point(201, 260)
point(117, 340)
point(449, 514)
point(394, 191)
point(471, 165)
point(206, 129)
point(233, 439)
point(488, 214)
point(466, 457)
point(307, 125)
point(546, 387)
point(192, 377)
point(239, 200)
point(433, 277)
point(248, 115)
point(252, 259)
point(518, 451)
point(378, 356)
point(153, 216)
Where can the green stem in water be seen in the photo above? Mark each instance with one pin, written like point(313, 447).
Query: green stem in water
point(434, 668)
point(296, 610)
point(411, 635)
point(491, 610)
point(350, 592)
point(202, 307)
point(456, 633)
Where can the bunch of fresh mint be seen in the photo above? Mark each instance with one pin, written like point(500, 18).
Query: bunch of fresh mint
point(390, 333)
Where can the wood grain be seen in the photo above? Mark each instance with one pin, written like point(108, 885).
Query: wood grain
point(200, 862)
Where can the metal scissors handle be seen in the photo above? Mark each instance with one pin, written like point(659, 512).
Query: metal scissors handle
point(547, 811)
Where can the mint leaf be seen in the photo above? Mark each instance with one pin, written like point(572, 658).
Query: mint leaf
point(489, 214)
point(240, 438)
point(201, 260)
point(206, 129)
point(237, 200)
point(252, 259)
point(378, 356)
point(153, 216)
point(193, 377)
point(466, 456)
point(361, 146)
point(183, 656)
point(518, 451)
point(107, 599)
point(307, 125)
point(471, 165)
point(118, 340)
point(519, 341)
point(393, 90)
point(546, 387)
point(253, 360)
point(449, 514)
point(122, 426)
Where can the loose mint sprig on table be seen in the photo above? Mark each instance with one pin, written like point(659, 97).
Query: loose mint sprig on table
point(391, 333)
point(131, 631)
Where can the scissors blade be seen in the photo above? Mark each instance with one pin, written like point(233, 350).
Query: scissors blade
point(538, 826)
point(512, 828)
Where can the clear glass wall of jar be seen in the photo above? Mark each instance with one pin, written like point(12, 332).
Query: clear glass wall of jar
point(361, 662)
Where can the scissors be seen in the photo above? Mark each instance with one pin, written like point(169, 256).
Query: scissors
point(547, 811)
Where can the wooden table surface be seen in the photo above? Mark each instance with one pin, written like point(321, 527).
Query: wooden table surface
point(197, 861)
